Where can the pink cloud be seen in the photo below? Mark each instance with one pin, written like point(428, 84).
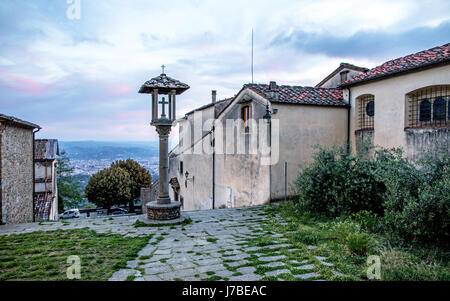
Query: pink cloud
point(23, 85)
point(119, 89)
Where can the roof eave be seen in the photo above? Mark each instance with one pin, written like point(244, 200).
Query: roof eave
point(399, 72)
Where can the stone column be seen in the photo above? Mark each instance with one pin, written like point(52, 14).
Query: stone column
point(163, 131)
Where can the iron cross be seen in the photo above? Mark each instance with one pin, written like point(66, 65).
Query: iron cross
point(163, 67)
point(163, 102)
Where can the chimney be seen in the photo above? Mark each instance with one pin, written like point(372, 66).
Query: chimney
point(214, 96)
point(273, 86)
point(273, 89)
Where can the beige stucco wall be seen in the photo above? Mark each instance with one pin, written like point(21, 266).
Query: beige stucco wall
point(390, 103)
point(17, 175)
point(303, 127)
point(197, 194)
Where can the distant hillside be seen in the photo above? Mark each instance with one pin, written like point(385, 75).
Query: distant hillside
point(97, 150)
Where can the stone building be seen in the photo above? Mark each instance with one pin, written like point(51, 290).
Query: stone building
point(16, 170)
point(412, 111)
point(45, 185)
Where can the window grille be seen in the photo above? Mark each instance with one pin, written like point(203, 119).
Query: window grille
point(429, 107)
point(366, 112)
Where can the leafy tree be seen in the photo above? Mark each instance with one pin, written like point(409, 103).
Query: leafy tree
point(139, 176)
point(108, 187)
point(70, 194)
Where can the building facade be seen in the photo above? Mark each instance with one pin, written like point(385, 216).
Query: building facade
point(45, 184)
point(16, 170)
point(401, 103)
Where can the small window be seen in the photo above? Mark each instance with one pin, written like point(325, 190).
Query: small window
point(425, 111)
point(181, 167)
point(245, 116)
point(439, 109)
point(344, 76)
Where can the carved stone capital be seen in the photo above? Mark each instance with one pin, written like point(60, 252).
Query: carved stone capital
point(163, 130)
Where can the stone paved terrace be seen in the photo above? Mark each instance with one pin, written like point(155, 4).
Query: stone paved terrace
point(217, 245)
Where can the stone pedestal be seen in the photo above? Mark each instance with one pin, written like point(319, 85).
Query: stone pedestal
point(161, 212)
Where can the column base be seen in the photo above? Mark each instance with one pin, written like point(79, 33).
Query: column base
point(163, 212)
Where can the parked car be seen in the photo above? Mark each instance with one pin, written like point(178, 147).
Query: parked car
point(72, 213)
point(118, 211)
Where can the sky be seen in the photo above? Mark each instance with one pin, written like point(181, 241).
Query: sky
point(77, 76)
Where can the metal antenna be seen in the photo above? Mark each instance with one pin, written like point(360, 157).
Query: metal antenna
point(252, 55)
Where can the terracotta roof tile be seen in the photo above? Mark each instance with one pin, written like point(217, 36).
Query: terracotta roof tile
point(410, 62)
point(164, 84)
point(300, 95)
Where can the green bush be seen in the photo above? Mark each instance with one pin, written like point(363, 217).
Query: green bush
point(339, 183)
point(421, 212)
point(340, 230)
point(359, 243)
point(367, 220)
point(382, 191)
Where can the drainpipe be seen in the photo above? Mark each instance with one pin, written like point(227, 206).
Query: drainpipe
point(213, 169)
point(348, 119)
point(1, 190)
point(34, 172)
point(270, 164)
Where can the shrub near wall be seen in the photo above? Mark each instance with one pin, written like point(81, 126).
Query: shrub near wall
point(418, 205)
point(338, 183)
point(412, 200)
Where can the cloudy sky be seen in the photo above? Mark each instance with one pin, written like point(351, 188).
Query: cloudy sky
point(78, 78)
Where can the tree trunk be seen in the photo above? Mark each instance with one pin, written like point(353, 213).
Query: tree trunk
point(131, 207)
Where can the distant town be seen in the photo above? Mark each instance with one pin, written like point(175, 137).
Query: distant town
point(89, 157)
point(92, 166)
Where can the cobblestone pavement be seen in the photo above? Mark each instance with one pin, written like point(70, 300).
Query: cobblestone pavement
point(224, 244)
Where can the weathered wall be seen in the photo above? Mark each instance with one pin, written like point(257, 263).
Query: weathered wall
point(242, 179)
point(363, 137)
point(17, 175)
point(390, 103)
point(421, 141)
point(197, 190)
point(302, 128)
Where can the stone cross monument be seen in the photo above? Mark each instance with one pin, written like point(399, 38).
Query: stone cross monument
point(160, 87)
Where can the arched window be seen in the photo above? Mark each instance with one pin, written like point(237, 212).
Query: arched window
point(366, 112)
point(425, 111)
point(429, 107)
point(439, 109)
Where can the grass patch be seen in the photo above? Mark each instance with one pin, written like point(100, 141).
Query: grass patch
point(43, 255)
point(212, 240)
point(347, 244)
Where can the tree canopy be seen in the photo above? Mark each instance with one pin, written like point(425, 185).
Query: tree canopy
point(119, 184)
point(70, 194)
